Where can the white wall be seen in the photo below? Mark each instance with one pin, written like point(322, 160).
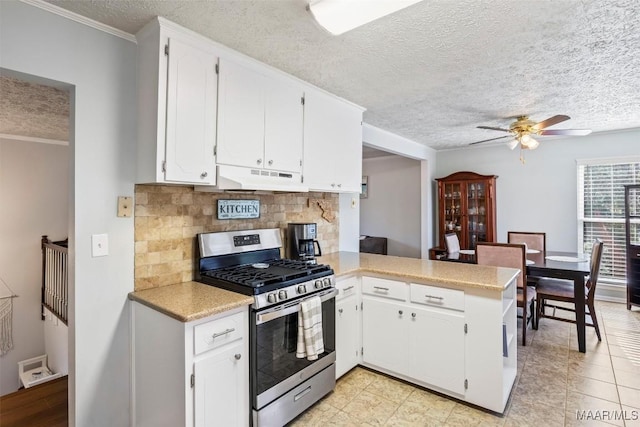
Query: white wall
point(349, 227)
point(102, 70)
point(56, 339)
point(541, 195)
point(392, 208)
point(392, 143)
point(34, 194)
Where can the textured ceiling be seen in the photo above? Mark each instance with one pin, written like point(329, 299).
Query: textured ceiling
point(33, 110)
point(436, 70)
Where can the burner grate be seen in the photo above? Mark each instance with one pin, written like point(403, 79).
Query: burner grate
point(278, 271)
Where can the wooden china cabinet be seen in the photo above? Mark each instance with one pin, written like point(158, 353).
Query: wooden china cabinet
point(467, 206)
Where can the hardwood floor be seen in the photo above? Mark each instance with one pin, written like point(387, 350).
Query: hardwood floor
point(41, 405)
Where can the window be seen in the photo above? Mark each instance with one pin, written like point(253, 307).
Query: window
point(601, 210)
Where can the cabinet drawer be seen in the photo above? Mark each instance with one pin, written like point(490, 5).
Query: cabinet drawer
point(217, 333)
point(437, 297)
point(346, 287)
point(384, 288)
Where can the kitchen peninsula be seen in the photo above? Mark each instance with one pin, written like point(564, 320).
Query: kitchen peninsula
point(448, 327)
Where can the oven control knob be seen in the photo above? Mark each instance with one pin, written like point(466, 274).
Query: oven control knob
point(326, 282)
point(282, 295)
point(317, 284)
point(302, 289)
point(271, 297)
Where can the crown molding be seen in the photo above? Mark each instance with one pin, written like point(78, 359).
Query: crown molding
point(80, 19)
point(5, 136)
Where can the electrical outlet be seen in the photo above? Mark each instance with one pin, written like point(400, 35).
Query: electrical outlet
point(99, 245)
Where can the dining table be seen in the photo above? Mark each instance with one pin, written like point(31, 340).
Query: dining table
point(570, 266)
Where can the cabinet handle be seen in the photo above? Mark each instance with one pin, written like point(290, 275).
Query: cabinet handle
point(380, 288)
point(225, 332)
point(347, 288)
point(433, 297)
point(413, 315)
point(238, 356)
point(203, 174)
point(400, 312)
point(259, 161)
point(270, 162)
point(340, 310)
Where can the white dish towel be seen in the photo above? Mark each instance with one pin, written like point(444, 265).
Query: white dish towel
point(310, 343)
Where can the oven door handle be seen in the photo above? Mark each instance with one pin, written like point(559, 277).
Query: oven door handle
point(285, 310)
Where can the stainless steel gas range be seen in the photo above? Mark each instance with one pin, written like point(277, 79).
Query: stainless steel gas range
point(248, 262)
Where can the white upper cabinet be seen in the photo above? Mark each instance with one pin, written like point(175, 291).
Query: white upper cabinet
point(177, 112)
point(332, 143)
point(259, 120)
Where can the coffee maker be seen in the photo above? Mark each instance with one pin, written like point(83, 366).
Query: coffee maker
point(302, 243)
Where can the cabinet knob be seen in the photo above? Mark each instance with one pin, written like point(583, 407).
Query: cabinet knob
point(270, 162)
point(400, 312)
point(413, 315)
point(339, 185)
point(333, 185)
point(340, 310)
point(204, 174)
point(238, 356)
point(259, 161)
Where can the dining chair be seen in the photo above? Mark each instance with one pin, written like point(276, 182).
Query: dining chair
point(452, 243)
point(512, 255)
point(562, 291)
point(535, 241)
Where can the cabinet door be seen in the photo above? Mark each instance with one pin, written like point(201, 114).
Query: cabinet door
point(385, 335)
point(220, 391)
point(191, 114)
point(436, 348)
point(332, 144)
point(283, 126)
point(347, 335)
point(240, 116)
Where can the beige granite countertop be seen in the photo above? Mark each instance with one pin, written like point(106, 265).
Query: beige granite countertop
point(190, 300)
point(421, 270)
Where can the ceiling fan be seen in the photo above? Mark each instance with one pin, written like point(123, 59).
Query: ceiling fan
point(522, 129)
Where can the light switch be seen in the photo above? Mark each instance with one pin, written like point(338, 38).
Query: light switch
point(125, 206)
point(99, 245)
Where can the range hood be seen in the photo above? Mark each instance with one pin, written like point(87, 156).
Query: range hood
point(243, 178)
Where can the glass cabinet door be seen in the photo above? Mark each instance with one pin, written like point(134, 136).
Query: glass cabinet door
point(477, 213)
point(633, 206)
point(453, 208)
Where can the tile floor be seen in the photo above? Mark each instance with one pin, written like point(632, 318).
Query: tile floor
point(554, 381)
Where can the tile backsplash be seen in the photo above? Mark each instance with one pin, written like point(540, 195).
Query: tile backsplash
point(167, 219)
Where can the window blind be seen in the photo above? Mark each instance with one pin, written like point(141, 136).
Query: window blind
point(601, 212)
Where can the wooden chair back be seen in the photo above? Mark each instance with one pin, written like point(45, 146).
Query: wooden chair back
point(510, 255)
point(596, 258)
point(533, 240)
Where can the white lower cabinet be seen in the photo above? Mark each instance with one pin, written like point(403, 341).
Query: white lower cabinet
point(190, 374)
point(348, 325)
point(449, 340)
point(219, 387)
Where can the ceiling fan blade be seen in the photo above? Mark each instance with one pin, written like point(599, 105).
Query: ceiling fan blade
point(572, 132)
point(550, 122)
point(492, 139)
point(494, 128)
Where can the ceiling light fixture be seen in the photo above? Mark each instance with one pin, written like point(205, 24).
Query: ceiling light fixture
point(340, 16)
point(528, 142)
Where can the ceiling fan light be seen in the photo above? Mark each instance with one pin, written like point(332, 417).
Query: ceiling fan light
point(340, 16)
point(528, 142)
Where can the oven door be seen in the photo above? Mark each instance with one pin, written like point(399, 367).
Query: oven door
point(275, 369)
